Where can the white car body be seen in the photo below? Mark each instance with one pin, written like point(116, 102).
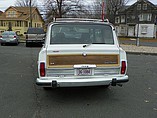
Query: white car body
point(75, 65)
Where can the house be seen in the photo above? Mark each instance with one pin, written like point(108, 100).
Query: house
point(18, 19)
point(137, 20)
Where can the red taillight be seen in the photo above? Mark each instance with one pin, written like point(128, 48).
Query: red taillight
point(123, 67)
point(0, 36)
point(14, 36)
point(42, 69)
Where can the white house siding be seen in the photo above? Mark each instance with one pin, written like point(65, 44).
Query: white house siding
point(117, 30)
point(131, 31)
point(121, 30)
point(146, 30)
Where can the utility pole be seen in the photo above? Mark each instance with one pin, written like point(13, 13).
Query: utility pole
point(30, 7)
point(155, 27)
point(103, 10)
point(137, 40)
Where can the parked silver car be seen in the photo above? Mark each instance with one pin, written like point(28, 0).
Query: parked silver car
point(9, 37)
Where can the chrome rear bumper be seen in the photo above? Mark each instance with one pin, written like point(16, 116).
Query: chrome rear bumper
point(80, 81)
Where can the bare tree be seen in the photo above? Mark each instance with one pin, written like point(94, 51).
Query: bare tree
point(97, 9)
point(25, 3)
point(112, 7)
point(65, 8)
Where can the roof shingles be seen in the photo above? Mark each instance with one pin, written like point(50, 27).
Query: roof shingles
point(23, 13)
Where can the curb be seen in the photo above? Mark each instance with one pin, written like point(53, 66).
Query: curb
point(141, 53)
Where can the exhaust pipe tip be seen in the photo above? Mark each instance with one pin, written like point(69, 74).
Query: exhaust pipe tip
point(54, 84)
point(114, 82)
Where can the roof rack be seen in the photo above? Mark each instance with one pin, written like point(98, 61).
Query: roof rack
point(81, 19)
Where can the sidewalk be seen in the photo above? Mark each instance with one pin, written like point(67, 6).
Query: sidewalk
point(133, 49)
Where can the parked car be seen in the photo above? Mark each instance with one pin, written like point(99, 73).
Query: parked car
point(81, 52)
point(35, 36)
point(9, 37)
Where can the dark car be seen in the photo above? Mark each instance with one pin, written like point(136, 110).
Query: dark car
point(35, 36)
point(9, 37)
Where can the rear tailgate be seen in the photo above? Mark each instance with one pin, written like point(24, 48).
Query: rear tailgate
point(105, 58)
point(34, 37)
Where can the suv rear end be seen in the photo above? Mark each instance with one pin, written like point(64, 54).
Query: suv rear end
point(81, 53)
point(35, 36)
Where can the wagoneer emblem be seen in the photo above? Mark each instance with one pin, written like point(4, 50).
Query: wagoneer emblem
point(84, 54)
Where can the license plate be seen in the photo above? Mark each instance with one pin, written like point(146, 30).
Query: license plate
point(83, 72)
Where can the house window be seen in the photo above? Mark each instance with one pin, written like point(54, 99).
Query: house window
point(139, 7)
point(1, 23)
point(18, 24)
point(144, 29)
point(117, 20)
point(133, 17)
point(145, 17)
point(26, 24)
point(35, 17)
point(122, 19)
point(11, 14)
point(149, 17)
point(144, 6)
point(4, 24)
point(38, 25)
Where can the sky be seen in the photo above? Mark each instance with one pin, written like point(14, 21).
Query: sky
point(4, 4)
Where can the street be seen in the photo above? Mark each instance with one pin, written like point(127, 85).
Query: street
point(20, 97)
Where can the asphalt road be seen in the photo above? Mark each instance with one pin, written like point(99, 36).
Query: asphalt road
point(21, 98)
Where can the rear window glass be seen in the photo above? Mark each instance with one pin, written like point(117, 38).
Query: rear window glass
point(35, 31)
point(81, 34)
point(8, 33)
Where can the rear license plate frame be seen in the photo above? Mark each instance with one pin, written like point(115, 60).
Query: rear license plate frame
point(84, 71)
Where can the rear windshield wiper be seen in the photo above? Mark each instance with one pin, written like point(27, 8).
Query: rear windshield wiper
point(86, 45)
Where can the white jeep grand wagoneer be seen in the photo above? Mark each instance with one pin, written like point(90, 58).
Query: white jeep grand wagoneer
point(81, 52)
